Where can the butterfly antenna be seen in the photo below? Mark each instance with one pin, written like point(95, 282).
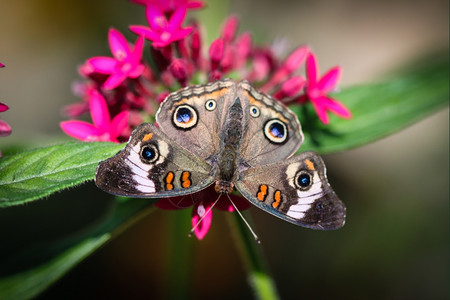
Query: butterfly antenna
point(204, 215)
point(245, 221)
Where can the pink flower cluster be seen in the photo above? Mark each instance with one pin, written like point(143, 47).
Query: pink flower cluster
point(124, 90)
point(5, 129)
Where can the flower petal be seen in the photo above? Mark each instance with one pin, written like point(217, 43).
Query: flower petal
point(136, 55)
point(216, 50)
point(141, 30)
point(229, 29)
point(80, 130)
point(336, 107)
point(99, 111)
point(3, 107)
point(292, 86)
point(321, 112)
point(137, 71)
point(177, 18)
point(155, 17)
point(199, 210)
point(114, 80)
point(5, 129)
point(330, 79)
point(180, 34)
point(119, 123)
point(118, 44)
point(311, 69)
point(295, 59)
point(102, 64)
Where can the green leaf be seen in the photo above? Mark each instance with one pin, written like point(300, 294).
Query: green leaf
point(378, 109)
point(30, 283)
point(37, 173)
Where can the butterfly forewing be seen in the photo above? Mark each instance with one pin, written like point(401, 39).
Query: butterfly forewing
point(151, 165)
point(272, 131)
point(295, 190)
point(193, 117)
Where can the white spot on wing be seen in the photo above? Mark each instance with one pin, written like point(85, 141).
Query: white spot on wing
point(291, 170)
point(144, 184)
point(295, 214)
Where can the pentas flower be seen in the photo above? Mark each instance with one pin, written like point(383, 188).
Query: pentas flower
point(169, 6)
point(202, 203)
point(163, 32)
point(104, 129)
point(317, 90)
point(125, 63)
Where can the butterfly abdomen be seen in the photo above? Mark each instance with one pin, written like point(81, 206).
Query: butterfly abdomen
point(230, 143)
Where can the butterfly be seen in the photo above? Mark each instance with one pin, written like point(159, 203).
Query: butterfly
point(228, 134)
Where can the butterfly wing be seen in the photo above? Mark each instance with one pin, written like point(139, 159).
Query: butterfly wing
point(272, 131)
point(193, 117)
point(151, 165)
point(295, 190)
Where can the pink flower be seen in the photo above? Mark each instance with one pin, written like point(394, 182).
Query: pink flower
point(168, 6)
point(317, 90)
point(2, 65)
point(290, 87)
point(5, 129)
point(202, 203)
point(180, 70)
point(162, 32)
point(126, 62)
point(289, 66)
point(103, 128)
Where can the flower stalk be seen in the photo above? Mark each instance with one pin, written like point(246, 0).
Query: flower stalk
point(259, 278)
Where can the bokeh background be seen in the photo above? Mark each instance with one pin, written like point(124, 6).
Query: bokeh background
point(395, 244)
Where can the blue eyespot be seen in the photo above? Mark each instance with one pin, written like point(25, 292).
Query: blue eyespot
point(185, 117)
point(304, 180)
point(276, 131)
point(210, 104)
point(254, 111)
point(149, 153)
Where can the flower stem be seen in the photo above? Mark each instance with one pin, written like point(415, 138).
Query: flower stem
point(179, 256)
point(251, 253)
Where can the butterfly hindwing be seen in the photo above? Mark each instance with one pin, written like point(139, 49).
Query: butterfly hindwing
point(151, 165)
point(295, 190)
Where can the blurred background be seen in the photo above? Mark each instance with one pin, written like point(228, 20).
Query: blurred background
point(395, 244)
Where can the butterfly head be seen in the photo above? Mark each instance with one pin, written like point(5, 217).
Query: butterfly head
point(224, 187)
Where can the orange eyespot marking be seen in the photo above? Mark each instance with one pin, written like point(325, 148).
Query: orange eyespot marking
point(186, 179)
point(277, 199)
point(147, 137)
point(169, 180)
point(262, 192)
point(309, 164)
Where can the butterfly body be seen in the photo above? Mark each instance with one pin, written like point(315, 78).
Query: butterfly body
point(230, 135)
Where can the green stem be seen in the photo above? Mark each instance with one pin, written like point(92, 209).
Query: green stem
point(180, 255)
point(251, 253)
